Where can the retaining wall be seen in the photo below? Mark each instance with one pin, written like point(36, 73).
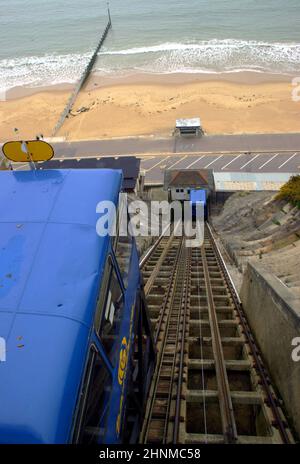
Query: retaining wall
point(273, 312)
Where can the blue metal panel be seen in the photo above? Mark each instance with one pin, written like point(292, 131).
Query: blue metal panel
point(198, 196)
point(18, 243)
point(62, 280)
point(39, 380)
point(51, 264)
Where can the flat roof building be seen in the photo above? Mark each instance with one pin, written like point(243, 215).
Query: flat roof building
point(189, 126)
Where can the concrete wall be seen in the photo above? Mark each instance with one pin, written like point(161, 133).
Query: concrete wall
point(180, 194)
point(273, 312)
point(156, 193)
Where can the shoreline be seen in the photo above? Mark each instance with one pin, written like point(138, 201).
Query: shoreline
point(176, 78)
point(149, 104)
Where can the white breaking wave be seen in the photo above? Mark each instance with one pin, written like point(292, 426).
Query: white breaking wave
point(211, 56)
point(217, 55)
point(41, 70)
point(214, 44)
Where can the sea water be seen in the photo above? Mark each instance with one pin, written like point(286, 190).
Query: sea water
point(46, 42)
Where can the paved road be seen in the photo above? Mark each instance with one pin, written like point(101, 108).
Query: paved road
point(272, 162)
point(222, 153)
point(145, 145)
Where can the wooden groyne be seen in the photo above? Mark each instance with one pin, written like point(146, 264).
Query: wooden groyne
point(83, 79)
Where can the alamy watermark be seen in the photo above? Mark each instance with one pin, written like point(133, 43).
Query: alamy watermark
point(296, 350)
point(152, 219)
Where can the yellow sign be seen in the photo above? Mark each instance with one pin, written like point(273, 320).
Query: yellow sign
point(34, 150)
point(122, 361)
point(123, 358)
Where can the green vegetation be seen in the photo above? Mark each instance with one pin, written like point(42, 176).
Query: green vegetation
point(244, 193)
point(290, 191)
point(276, 222)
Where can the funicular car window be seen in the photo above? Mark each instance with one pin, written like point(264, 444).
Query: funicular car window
point(97, 390)
point(111, 315)
point(123, 255)
point(123, 242)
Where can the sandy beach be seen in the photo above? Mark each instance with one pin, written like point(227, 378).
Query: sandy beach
point(149, 104)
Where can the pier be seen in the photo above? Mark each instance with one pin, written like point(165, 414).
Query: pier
point(83, 78)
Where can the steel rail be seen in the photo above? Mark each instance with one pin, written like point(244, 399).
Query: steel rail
point(167, 294)
point(226, 408)
point(151, 250)
point(158, 264)
point(259, 366)
point(165, 411)
point(181, 356)
point(174, 360)
point(152, 395)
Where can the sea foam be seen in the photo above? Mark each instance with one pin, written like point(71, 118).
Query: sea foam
point(211, 56)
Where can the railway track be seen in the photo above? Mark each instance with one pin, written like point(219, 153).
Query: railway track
point(210, 384)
